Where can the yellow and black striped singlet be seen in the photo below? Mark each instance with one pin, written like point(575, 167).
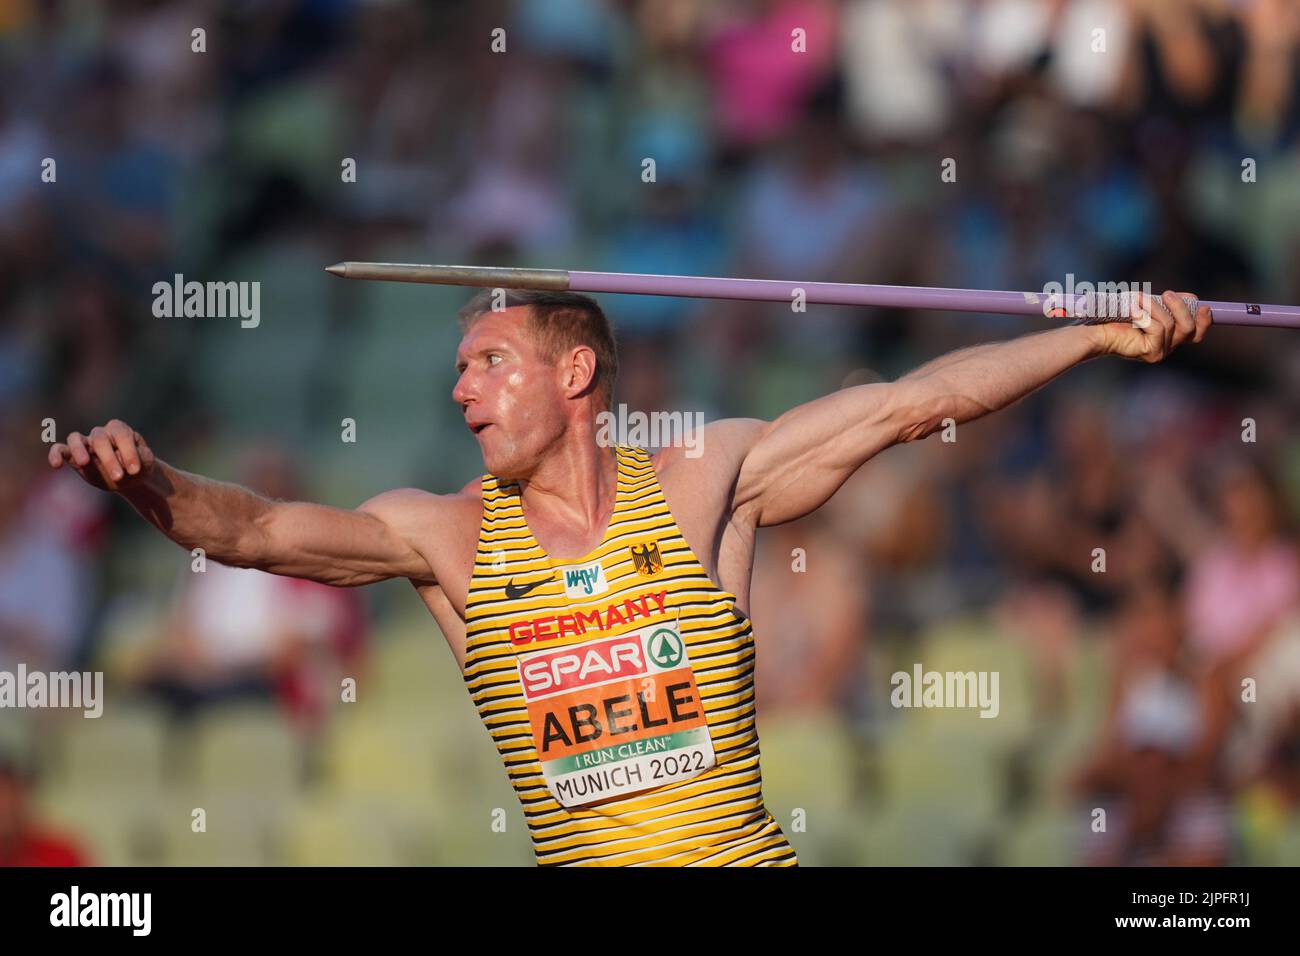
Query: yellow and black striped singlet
point(618, 688)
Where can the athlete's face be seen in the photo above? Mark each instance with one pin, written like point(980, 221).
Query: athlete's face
point(510, 396)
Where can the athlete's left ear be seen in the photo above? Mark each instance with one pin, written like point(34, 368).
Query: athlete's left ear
point(579, 371)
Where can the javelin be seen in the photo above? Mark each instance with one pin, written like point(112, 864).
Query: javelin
point(1107, 306)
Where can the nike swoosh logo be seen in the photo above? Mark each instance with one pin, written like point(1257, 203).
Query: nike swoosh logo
point(514, 591)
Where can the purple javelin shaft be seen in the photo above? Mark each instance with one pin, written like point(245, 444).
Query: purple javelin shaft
point(897, 296)
point(1111, 306)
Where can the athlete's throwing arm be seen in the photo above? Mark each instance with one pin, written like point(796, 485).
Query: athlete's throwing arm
point(234, 526)
point(796, 463)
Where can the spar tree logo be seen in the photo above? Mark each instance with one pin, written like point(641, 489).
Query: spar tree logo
point(665, 648)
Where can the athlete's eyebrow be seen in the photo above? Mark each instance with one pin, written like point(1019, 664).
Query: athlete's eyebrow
point(480, 351)
point(461, 361)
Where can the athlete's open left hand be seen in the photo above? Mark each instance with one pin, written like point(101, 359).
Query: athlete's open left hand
point(1157, 327)
point(112, 457)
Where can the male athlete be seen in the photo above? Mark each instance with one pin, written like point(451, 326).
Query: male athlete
point(596, 597)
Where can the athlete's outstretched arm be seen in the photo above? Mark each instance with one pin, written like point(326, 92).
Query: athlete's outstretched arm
point(799, 461)
point(237, 527)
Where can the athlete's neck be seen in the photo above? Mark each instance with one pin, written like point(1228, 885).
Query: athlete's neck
point(576, 485)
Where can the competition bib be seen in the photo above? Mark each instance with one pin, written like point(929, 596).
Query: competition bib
point(617, 715)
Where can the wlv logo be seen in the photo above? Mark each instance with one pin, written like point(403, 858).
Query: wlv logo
point(585, 580)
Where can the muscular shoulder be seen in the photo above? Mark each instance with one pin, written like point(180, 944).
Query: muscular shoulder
point(715, 446)
point(710, 465)
point(406, 505)
point(432, 523)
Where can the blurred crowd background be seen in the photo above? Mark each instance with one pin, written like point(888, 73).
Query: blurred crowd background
point(1113, 140)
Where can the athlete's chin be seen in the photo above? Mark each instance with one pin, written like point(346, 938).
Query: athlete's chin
point(502, 462)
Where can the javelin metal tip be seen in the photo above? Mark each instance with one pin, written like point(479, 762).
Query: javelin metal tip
point(338, 269)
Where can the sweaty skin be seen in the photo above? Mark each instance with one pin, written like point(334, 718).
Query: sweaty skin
point(535, 421)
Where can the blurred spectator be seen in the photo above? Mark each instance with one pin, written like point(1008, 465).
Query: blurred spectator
point(810, 614)
point(895, 58)
point(1078, 543)
point(809, 210)
point(88, 334)
point(154, 42)
point(1271, 81)
point(1243, 601)
point(239, 633)
point(1162, 808)
point(22, 147)
point(516, 191)
point(1076, 503)
point(1246, 576)
point(759, 78)
point(117, 188)
point(23, 840)
point(1279, 772)
point(896, 525)
point(45, 555)
point(1091, 35)
point(668, 238)
point(393, 84)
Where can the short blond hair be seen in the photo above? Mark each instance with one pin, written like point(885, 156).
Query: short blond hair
point(558, 321)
